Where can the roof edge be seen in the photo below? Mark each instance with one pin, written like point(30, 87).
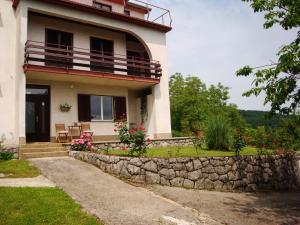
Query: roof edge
point(109, 14)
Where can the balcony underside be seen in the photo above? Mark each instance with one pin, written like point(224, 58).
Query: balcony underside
point(35, 72)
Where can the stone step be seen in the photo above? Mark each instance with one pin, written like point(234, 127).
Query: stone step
point(40, 145)
point(43, 154)
point(42, 149)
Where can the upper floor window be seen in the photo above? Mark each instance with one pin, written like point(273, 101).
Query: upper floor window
point(127, 12)
point(100, 5)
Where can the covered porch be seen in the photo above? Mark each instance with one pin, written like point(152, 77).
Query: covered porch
point(93, 101)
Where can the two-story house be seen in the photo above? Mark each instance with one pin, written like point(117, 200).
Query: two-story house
point(104, 58)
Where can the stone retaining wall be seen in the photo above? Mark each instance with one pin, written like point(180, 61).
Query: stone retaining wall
point(212, 173)
point(12, 149)
point(115, 145)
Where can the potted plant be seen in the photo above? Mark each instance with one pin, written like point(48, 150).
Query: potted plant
point(65, 107)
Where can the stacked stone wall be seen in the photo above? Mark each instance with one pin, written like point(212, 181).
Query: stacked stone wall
point(248, 173)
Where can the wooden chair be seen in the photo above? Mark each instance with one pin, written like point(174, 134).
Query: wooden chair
point(61, 132)
point(86, 129)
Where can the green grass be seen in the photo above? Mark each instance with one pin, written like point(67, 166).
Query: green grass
point(40, 206)
point(18, 169)
point(166, 152)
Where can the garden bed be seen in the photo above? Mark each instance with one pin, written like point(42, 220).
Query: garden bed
point(185, 151)
point(248, 173)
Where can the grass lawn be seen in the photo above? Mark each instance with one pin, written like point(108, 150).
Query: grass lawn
point(37, 206)
point(18, 168)
point(166, 152)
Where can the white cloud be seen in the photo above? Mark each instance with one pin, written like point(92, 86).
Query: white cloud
point(213, 38)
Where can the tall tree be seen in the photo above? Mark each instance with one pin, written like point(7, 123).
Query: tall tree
point(280, 80)
point(193, 103)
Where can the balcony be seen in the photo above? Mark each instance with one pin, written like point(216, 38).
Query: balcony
point(72, 60)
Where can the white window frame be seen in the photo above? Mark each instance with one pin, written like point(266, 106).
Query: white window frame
point(102, 109)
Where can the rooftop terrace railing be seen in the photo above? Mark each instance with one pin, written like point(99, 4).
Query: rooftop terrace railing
point(155, 14)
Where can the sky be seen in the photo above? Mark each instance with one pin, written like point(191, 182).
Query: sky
point(212, 39)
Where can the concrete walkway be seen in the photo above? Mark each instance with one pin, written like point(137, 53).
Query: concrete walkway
point(39, 181)
point(112, 200)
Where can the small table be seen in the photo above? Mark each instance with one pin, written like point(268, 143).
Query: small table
point(75, 128)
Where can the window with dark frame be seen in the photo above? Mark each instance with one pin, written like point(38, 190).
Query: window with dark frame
point(100, 5)
point(102, 52)
point(100, 108)
point(55, 39)
point(127, 12)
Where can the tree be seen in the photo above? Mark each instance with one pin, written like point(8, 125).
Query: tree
point(193, 104)
point(279, 80)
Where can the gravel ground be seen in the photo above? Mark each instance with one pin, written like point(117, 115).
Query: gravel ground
point(267, 208)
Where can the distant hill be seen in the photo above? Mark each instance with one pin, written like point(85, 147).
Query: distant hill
point(260, 118)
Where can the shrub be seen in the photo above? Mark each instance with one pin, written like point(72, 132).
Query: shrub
point(238, 141)
point(134, 139)
point(82, 144)
point(198, 143)
point(6, 155)
point(218, 134)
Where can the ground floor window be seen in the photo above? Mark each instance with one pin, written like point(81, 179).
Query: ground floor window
point(100, 108)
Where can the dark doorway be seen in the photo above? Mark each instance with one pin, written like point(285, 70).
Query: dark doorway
point(61, 44)
point(37, 113)
point(102, 50)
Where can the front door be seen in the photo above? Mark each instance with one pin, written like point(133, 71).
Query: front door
point(37, 113)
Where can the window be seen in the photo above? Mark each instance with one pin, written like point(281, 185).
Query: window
point(127, 12)
point(100, 108)
point(58, 40)
point(102, 52)
point(100, 5)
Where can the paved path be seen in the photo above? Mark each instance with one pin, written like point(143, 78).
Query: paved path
point(112, 200)
point(39, 181)
point(264, 208)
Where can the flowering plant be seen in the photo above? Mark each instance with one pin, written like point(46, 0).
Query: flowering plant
point(82, 144)
point(134, 139)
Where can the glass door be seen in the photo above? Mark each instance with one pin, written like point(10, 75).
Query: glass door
point(37, 113)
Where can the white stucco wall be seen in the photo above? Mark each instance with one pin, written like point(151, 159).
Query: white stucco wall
point(8, 79)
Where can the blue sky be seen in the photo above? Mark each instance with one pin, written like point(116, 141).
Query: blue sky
point(218, 37)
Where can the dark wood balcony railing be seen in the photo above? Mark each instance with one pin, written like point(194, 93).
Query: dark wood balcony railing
point(69, 57)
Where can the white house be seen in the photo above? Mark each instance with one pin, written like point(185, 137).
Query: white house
point(102, 57)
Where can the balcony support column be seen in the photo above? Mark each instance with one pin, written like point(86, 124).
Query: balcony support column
point(22, 23)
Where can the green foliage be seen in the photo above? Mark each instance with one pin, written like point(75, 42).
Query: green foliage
point(284, 138)
point(280, 80)
point(193, 104)
point(134, 139)
point(6, 155)
point(218, 134)
point(198, 143)
point(261, 118)
point(238, 141)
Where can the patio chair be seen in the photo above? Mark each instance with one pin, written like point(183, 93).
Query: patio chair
point(61, 132)
point(86, 129)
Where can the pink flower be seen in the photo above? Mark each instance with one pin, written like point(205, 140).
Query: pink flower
point(123, 148)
